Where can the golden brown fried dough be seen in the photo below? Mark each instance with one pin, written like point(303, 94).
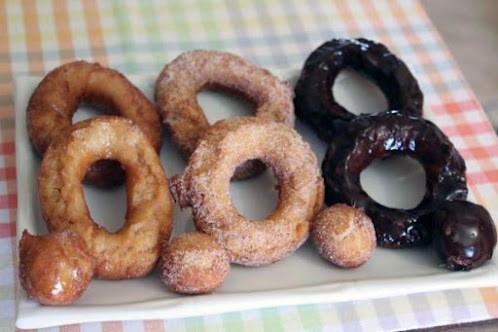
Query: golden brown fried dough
point(134, 249)
point(57, 97)
point(54, 269)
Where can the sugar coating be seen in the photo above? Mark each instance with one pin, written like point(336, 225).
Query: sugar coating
point(205, 188)
point(194, 263)
point(182, 79)
point(344, 236)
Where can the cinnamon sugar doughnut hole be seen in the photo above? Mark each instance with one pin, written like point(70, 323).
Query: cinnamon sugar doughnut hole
point(344, 236)
point(54, 269)
point(194, 263)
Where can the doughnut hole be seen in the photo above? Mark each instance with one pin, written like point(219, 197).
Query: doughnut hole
point(54, 269)
point(255, 198)
point(221, 104)
point(194, 263)
point(357, 93)
point(396, 182)
point(344, 236)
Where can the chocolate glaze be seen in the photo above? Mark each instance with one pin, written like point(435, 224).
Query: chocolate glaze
point(374, 136)
point(464, 235)
point(314, 101)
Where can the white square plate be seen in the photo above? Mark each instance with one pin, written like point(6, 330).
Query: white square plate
point(301, 278)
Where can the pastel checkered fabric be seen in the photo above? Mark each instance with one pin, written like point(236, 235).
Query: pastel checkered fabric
point(139, 37)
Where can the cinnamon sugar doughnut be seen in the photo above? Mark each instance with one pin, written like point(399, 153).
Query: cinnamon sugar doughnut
point(181, 80)
point(194, 263)
point(134, 249)
point(56, 99)
point(205, 188)
point(54, 269)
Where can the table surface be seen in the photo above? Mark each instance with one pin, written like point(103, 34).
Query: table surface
point(140, 37)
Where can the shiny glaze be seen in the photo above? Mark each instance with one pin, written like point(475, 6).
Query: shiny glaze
point(464, 235)
point(54, 269)
point(370, 137)
point(315, 103)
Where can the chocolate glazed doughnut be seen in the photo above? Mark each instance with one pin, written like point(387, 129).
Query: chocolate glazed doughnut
point(315, 103)
point(380, 135)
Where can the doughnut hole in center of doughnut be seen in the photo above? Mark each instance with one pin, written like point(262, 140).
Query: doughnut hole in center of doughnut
point(219, 103)
point(107, 206)
point(357, 93)
point(255, 198)
point(396, 182)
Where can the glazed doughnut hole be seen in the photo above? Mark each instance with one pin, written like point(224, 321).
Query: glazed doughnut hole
point(54, 269)
point(344, 236)
point(194, 263)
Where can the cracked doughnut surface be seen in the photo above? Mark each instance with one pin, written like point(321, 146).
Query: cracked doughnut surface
point(344, 236)
point(134, 249)
point(57, 97)
point(205, 188)
point(182, 79)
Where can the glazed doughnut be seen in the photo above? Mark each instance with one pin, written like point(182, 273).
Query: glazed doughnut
point(205, 188)
point(181, 80)
point(194, 263)
point(134, 249)
point(380, 135)
point(54, 269)
point(315, 103)
point(56, 99)
point(344, 236)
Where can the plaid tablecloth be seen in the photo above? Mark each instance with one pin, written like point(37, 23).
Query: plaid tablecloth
point(139, 37)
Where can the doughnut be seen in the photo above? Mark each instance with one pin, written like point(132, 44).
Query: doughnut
point(315, 102)
point(57, 97)
point(205, 185)
point(464, 235)
point(54, 269)
point(344, 236)
point(134, 249)
point(194, 263)
point(182, 79)
point(375, 136)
